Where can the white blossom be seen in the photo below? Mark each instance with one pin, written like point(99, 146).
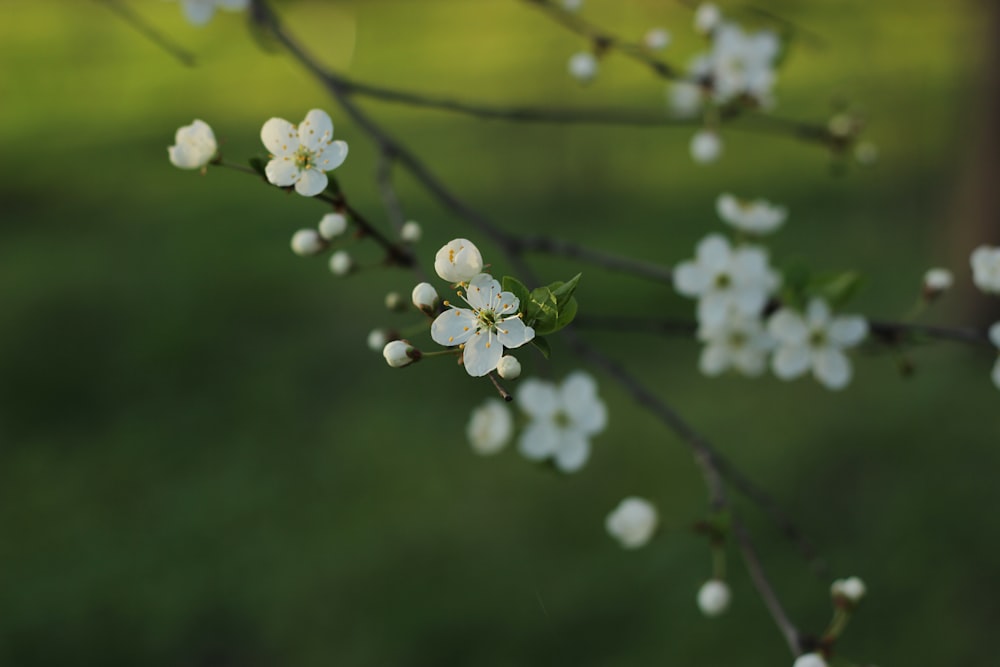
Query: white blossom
point(582, 66)
point(563, 419)
point(995, 339)
point(332, 225)
point(742, 64)
point(194, 146)
point(852, 589)
point(399, 353)
point(937, 281)
point(754, 217)
point(810, 660)
point(458, 261)
point(739, 342)
point(300, 155)
point(866, 153)
point(490, 324)
point(307, 242)
point(200, 12)
point(815, 340)
point(490, 427)
point(656, 39)
point(714, 597)
point(341, 263)
point(725, 279)
point(685, 99)
point(985, 262)
point(706, 146)
point(572, 5)
point(425, 297)
point(509, 368)
point(394, 301)
point(633, 522)
point(706, 17)
point(411, 232)
point(377, 338)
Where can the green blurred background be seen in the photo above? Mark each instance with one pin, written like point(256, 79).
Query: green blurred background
point(202, 464)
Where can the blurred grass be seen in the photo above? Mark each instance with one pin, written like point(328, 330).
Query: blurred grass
point(201, 464)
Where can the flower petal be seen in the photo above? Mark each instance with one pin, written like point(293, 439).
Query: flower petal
point(578, 387)
point(715, 360)
point(713, 252)
point(572, 451)
point(713, 308)
point(995, 375)
point(482, 353)
point(691, 279)
point(791, 361)
point(512, 332)
point(279, 137)
point(817, 313)
point(198, 12)
point(482, 289)
point(994, 334)
point(282, 171)
point(750, 361)
point(311, 183)
point(331, 156)
point(537, 398)
point(316, 131)
point(848, 330)
point(453, 327)
point(832, 368)
point(539, 440)
point(788, 327)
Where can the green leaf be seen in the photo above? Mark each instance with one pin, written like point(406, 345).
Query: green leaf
point(542, 311)
point(563, 292)
point(542, 345)
point(517, 288)
point(566, 313)
point(838, 289)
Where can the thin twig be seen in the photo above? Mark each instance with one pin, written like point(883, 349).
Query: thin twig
point(137, 23)
point(383, 177)
point(552, 246)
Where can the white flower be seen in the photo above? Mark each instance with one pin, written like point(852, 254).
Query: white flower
point(725, 278)
point(377, 339)
point(685, 99)
point(490, 427)
point(200, 12)
point(583, 66)
point(706, 17)
point(490, 324)
point(714, 597)
point(706, 146)
point(937, 281)
point(341, 263)
point(394, 301)
point(399, 353)
point(743, 64)
point(633, 522)
point(458, 261)
point(815, 341)
point(301, 155)
point(656, 39)
point(572, 5)
point(810, 660)
point(995, 339)
point(194, 146)
point(425, 297)
point(411, 232)
point(563, 420)
point(852, 589)
point(307, 242)
point(755, 217)
point(332, 225)
point(509, 368)
point(739, 342)
point(866, 153)
point(985, 262)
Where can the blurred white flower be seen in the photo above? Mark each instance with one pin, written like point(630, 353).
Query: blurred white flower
point(200, 12)
point(563, 419)
point(490, 427)
point(810, 660)
point(852, 589)
point(194, 146)
point(490, 324)
point(725, 279)
point(582, 66)
point(332, 225)
point(399, 353)
point(394, 301)
point(706, 17)
point(307, 242)
point(754, 217)
point(985, 262)
point(458, 261)
point(706, 146)
point(937, 281)
point(425, 297)
point(714, 597)
point(572, 5)
point(632, 522)
point(509, 368)
point(301, 155)
point(341, 263)
point(742, 64)
point(866, 153)
point(815, 340)
point(656, 39)
point(411, 232)
point(377, 339)
point(685, 99)
point(740, 342)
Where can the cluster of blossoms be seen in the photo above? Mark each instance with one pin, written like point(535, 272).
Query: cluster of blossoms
point(734, 286)
point(985, 262)
point(584, 65)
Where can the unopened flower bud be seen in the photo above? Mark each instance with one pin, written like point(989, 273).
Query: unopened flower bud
point(706, 17)
point(399, 353)
point(937, 281)
point(332, 225)
point(411, 232)
point(633, 522)
point(306, 242)
point(194, 146)
point(583, 66)
point(851, 589)
point(866, 153)
point(377, 339)
point(810, 660)
point(713, 597)
point(341, 263)
point(841, 125)
point(394, 301)
point(656, 39)
point(425, 297)
point(509, 368)
point(458, 261)
point(706, 146)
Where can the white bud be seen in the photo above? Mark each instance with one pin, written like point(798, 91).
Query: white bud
point(394, 301)
point(332, 225)
point(399, 353)
point(572, 5)
point(509, 368)
point(490, 427)
point(307, 242)
point(425, 297)
point(411, 232)
point(583, 66)
point(458, 261)
point(713, 597)
point(632, 522)
point(706, 146)
point(341, 263)
point(377, 339)
point(866, 153)
point(841, 125)
point(852, 588)
point(937, 281)
point(656, 39)
point(810, 660)
point(194, 146)
point(706, 17)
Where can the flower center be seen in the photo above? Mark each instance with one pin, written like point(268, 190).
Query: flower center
point(487, 318)
point(561, 419)
point(817, 338)
point(737, 339)
point(304, 158)
point(723, 281)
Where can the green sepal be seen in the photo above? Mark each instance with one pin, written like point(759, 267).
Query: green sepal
point(542, 345)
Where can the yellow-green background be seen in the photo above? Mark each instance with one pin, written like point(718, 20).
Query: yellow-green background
point(202, 464)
